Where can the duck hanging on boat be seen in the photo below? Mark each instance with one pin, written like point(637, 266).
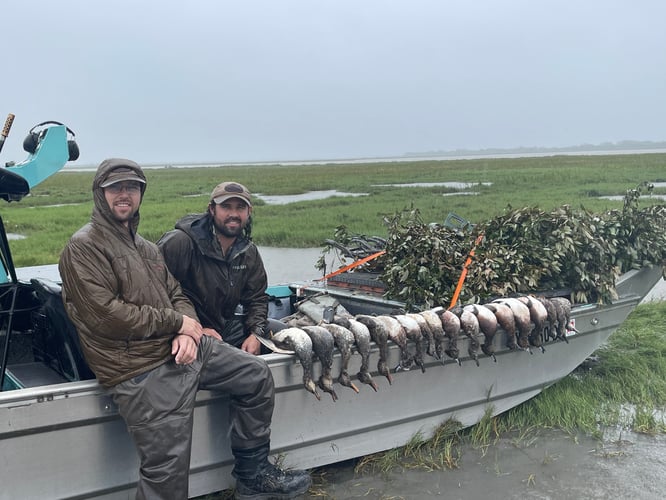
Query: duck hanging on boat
point(344, 340)
point(362, 340)
point(414, 334)
point(300, 343)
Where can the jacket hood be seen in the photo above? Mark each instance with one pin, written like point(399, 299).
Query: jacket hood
point(201, 222)
point(199, 227)
point(101, 207)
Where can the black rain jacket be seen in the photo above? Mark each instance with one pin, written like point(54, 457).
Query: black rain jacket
point(217, 284)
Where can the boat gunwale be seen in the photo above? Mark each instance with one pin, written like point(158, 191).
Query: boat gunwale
point(57, 391)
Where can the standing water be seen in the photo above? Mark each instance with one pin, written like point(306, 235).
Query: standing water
point(288, 265)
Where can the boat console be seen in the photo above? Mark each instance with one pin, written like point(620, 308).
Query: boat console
point(38, 344)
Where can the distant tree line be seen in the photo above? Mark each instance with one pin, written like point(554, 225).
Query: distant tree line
point(627, 145)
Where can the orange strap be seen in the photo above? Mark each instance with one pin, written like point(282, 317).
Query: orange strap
point(463, 274)
point(353, 265)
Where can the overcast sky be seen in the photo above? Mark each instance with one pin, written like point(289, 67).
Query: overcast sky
point(261, 80)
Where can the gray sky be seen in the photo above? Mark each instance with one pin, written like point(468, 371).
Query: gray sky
point(260, 80)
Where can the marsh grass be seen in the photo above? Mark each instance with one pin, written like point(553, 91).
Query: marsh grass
point(62, 204)
point(441, 451)
point(485, 432)
point(625, 385)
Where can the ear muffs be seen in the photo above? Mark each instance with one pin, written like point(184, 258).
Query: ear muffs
point(31, 141)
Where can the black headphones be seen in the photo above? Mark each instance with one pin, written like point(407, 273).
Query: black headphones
point(31, 142)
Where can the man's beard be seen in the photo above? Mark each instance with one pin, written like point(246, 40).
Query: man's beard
point(229, 232)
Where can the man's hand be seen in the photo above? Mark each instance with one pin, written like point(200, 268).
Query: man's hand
point(184, 348)
point(212, 333)
point(252, 345)
point(192, 328)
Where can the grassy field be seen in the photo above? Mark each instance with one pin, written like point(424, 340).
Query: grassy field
point(60, 205)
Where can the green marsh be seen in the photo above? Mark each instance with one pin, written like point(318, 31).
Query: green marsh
point(60, 205)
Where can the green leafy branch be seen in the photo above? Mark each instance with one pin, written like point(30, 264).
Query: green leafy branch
point(523, 250)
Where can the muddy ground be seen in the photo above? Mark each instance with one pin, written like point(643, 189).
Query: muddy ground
point(550, 466)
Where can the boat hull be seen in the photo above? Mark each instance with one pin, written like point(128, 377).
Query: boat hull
point(72, 438)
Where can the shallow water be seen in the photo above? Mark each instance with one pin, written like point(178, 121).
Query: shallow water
point(552, 465)
point(452, 185)
point(621, 197)
point(286, 265)
point(309, 196)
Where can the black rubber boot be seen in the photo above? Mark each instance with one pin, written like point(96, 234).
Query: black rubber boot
point(257, 478)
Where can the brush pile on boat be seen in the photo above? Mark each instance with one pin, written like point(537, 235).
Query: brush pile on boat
point(518, 252)
point(322, 324)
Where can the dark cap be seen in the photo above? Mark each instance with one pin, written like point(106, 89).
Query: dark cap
point(227, 190)
point(120, 174)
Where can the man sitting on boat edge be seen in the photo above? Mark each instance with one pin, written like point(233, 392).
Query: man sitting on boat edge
point(142, 339)
point(219, 267)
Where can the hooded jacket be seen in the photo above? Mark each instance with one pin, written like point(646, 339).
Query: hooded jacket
point(118, 292)
point(215, 283)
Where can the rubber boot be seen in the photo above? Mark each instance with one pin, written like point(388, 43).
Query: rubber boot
point(257, 478)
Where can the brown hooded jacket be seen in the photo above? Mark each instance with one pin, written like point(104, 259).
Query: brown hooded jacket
point(118, 292)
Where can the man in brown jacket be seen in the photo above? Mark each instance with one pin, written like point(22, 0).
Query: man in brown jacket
point(142, 339)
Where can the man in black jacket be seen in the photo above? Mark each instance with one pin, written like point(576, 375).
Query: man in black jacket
point(212, 256)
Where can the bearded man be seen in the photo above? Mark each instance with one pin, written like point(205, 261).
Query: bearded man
point(219, 267)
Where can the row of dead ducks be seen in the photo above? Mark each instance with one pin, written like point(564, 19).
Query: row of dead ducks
point(526, 320)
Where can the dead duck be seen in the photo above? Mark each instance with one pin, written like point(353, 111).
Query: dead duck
point(551, 322)
point(344, 340)
point(469, 325)
point(396, 333)
point(435, 324)
point(322, 346)
point(521, 316)
point(413, 331)
point(563, 311)
point(451, 326)
point(488, 326)
point(426, 333)
point(539, 318)
point(362, 339)
point(300, 342)
point(298, 320)
point(379, 334)
point(505, 321)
